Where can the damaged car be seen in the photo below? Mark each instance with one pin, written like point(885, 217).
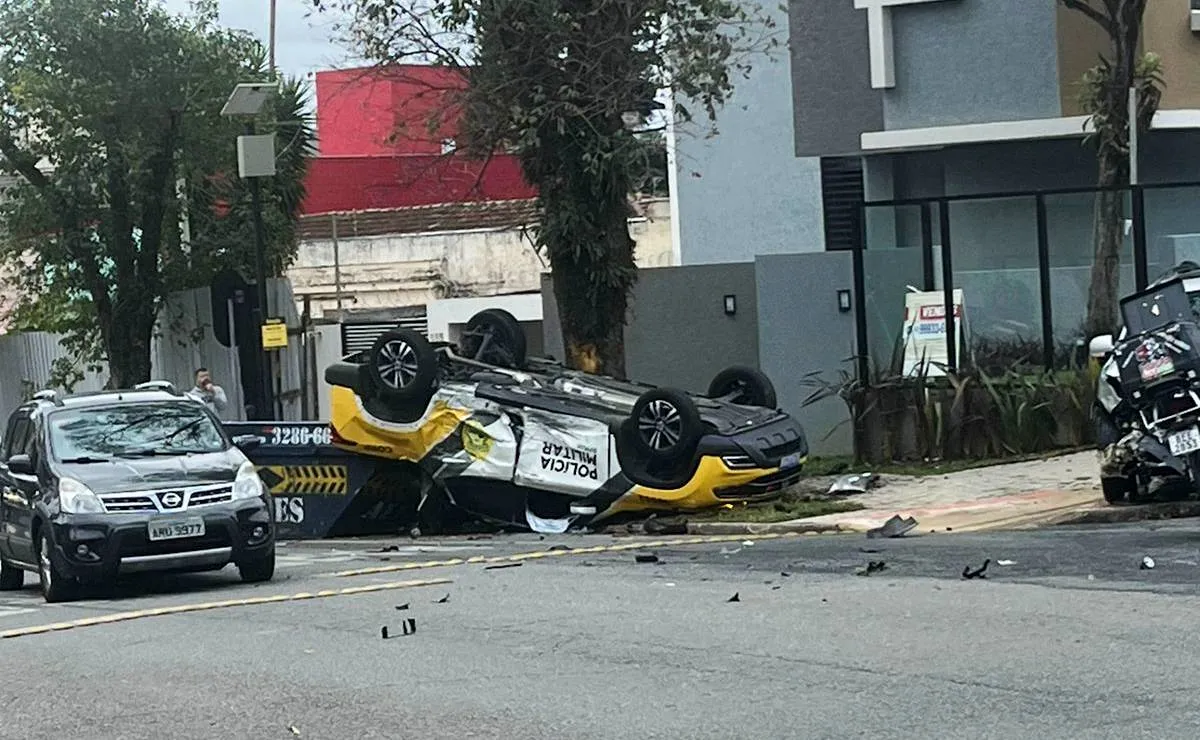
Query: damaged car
point(1147, 411)
point(527, 442)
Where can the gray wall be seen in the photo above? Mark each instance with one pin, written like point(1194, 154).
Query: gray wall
point(801, 331)
point(956, 61)
point(743, 192)
point(831, 77)
point(973, 61)
point(678, 333)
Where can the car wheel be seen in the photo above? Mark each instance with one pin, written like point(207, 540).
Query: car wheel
point(12, 578)
point(746, 386)
point(56, 587)
point(1118, 490)
point(258, 570)
point(402, 365)
point(494, 336)
point(666, 425)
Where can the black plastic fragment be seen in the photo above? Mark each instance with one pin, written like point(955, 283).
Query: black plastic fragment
point(503, 565)
point(979, 573)
point(646, 558)
point(731, 599)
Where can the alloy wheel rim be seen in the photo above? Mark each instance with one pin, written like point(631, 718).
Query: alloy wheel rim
point(398, 365)
point(660, 425)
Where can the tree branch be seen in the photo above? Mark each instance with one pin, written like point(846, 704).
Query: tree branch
point(1102, 20)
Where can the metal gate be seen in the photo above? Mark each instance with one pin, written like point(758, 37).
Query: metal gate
point(358, 336)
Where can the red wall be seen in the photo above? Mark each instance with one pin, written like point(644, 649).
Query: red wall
point(377, 150)
point(367, 112)
point(357, 183)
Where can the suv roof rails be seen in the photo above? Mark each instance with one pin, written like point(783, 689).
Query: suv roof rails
point(157, 385)
point(50, 395)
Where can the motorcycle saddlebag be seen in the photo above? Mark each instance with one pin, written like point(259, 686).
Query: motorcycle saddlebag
point(1166, 356)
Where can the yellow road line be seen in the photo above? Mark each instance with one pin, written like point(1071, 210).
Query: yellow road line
point(185, 608)
point(519, 557)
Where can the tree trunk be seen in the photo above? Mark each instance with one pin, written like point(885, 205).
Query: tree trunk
point(591, 290)
point(128, 344)
point(1109, 235)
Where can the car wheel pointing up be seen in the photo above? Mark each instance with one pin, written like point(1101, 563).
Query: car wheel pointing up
point(666, 425)
point(403, 365)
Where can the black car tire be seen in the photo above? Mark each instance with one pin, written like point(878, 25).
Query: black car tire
point(506, 346)
point(665, 425)
point(56, 587)
point(1118, 491)
point(402, 365)
point(12, 578)
point(258, 570)
point(754, 388)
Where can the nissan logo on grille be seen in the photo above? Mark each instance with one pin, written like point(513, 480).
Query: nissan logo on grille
point(171, 500)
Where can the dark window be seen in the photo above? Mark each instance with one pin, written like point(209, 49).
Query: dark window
point(841, 200)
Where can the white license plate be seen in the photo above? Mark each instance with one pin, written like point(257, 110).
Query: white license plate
point(176, 529)
point(1182, 443)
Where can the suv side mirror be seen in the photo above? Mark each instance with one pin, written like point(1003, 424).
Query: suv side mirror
point(1100, 346)
point(247, 442)
point(20, 465)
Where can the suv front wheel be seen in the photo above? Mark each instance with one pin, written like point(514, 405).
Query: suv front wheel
point(56, 587)
point(258, 570)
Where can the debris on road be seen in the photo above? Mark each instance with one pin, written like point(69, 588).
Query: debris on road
point(502, 565)
point(747, 543)
point(645, 558)
point(556, 548)
point(856, 483)
point(388, 548)
point(407, 627)
point(294, 730)
point(968, 573)
point(735, 597)
point(401, 607)
point(894, 527)
point(873, 566)
point(1006, 562)
point(785, 574)
point(1147, 563)
point(727, 551)
point(443, 600)
point(671, 526)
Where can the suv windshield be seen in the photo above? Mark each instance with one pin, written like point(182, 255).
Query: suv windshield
point(133, 429)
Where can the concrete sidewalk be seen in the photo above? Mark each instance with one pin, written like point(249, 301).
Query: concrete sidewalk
point(1011, 496)
point(999, 496)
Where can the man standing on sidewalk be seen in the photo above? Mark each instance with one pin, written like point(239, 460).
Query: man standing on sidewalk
point(209, 393)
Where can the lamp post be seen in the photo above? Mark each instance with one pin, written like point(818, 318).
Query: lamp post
point(256, 159)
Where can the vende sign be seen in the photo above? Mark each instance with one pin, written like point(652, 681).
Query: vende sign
point(925, 331)
point(879, 32)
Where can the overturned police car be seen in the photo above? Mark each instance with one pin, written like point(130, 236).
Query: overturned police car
point(528, 442)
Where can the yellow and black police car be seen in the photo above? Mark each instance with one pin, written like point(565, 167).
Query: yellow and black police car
point(528, 442)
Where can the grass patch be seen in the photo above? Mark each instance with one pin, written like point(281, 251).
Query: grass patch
point(785, 509)
point(844, 465)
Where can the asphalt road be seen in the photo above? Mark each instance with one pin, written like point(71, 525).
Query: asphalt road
point(1071, 640)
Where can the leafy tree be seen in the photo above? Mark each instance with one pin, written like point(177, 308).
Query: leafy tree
point(1104, 95)
point(109, 121)
point(564, 84)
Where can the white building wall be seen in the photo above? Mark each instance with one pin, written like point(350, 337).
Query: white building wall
point(396, 270)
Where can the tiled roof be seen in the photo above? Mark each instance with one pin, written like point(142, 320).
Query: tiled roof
point(495, 214)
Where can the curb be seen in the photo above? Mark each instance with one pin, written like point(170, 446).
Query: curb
point(1134, 513)
point(764, 528)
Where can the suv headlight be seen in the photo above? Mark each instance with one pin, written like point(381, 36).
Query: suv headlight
point(76, 498)
point(247, 484)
